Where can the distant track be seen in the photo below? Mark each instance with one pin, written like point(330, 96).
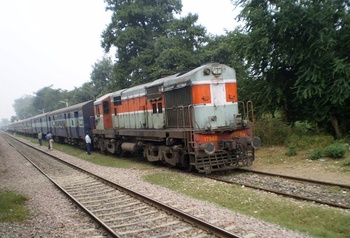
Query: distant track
point(320, 192)
point(345, 186)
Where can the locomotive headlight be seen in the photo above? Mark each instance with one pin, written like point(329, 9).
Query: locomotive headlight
point(217, 71)
point(206, 71)
point(208, 148)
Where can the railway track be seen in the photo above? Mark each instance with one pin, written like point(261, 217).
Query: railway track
point(320, 192)
point(118, 210)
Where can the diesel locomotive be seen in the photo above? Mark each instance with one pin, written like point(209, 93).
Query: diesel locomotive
point(191, 120)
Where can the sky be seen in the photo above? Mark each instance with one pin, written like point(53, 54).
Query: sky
point(56, 42)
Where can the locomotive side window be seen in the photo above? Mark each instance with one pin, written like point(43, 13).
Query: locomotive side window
point(154, 106)
point(157, 107)
point(160, 108)
point(105, 107)
point(117, 101)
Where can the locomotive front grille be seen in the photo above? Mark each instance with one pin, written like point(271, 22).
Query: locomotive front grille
point(221, 161)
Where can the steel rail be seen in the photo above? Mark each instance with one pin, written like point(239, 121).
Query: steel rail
point(281, 193)
point(346, 186)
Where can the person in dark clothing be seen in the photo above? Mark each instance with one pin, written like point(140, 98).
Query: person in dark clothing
point(48, 137)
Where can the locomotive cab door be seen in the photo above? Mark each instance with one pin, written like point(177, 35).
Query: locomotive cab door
point(157, 114)
point(107, 116)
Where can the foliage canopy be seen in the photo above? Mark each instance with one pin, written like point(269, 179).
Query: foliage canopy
point(150, 41)
point(297, 52)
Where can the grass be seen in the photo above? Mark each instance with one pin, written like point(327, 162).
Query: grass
point(308, 218)
point(12, 207)
point(278, 155)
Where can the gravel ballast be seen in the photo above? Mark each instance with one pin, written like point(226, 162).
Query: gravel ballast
point(53, 215)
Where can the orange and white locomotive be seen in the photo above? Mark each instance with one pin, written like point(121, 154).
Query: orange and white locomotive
point(188, 120)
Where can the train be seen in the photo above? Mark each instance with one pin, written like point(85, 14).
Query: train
point(191, 120)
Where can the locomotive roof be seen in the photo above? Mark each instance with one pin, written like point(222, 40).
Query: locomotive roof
point(183, 79)
point(174, 81)
point(117, 93)
point(100, 99)
point(136, 91)
point(197, 74)
point(160, 81)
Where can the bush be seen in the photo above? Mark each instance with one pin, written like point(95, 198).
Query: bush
point(302, 128)
point(272, 131)
point(308, 141)
point(315, 154)
point(335, 151)
point(292, 151)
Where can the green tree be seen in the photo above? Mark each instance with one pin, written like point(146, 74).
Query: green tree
point(101, 76)
point(84, 93)
point(48, 99)
point(299, 49)
point(149, 40)
point(179, 48)
point(24, 107)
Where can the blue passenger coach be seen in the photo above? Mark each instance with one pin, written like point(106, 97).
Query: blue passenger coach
point(70, 124)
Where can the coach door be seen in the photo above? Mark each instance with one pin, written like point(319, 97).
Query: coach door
point(76, 123)
point(41, 128)
point(69, 125)
point(66, 125)
point(50, 125)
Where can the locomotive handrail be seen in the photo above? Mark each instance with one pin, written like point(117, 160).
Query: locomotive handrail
point(183, 123)
point(243, 108)
point(251, 107)
point(190, 125)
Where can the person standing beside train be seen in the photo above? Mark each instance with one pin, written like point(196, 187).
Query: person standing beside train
point(48, 137)
point(40, 138)
point(88, 143)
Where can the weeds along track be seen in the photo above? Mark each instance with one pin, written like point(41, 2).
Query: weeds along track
point(330, 194)
point(118, 210)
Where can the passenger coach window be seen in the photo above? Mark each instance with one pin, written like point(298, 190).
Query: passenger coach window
point(105, 107)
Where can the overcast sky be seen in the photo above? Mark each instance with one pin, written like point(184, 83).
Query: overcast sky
point(56, 42)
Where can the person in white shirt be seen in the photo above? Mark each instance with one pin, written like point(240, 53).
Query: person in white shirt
point(88, 143)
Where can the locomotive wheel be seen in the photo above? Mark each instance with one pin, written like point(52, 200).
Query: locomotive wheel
point(187, 163)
